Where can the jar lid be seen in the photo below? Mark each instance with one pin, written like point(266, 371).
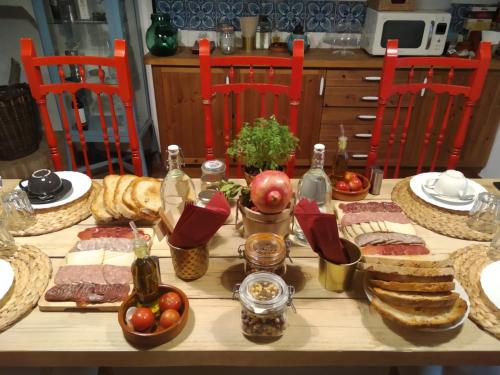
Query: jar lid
point(264, 292)
point(227, 28)
point(205, 195)
point(213, 166)
point(265, 249)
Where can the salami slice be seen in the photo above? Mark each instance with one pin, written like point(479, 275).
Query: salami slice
point(356, 207)
point(117, 274)
point(117, 232)
point(395, 250)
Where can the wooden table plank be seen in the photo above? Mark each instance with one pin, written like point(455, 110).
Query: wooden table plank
point(322, 332)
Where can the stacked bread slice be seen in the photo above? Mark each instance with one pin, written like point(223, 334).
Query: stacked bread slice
point(127, 197)
point(415, 291)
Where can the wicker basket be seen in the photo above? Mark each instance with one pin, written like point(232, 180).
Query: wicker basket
point(19, 129)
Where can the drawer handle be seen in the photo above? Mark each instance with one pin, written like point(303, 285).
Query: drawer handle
point(369, 98)
point(372, 78)
point(363, 135)
point(367, 117)
point(322, 86)
point(359, 156)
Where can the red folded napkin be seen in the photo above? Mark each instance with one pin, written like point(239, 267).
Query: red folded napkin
point(321, 231)
point(197, 225)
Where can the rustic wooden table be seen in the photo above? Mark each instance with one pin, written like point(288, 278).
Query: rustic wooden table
point(327, 329)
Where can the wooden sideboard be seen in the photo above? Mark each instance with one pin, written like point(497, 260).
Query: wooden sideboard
point(336, 90)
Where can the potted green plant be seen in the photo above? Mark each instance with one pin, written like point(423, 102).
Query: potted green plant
point(265, 144)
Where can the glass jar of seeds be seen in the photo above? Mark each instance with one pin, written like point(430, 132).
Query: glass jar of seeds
point(264, 252)
point(264, 299)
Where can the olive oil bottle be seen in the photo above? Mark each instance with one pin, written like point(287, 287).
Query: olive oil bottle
point(145, 274)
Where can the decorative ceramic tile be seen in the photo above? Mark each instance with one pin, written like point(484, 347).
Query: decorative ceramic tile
point(175, 9)
point(201, 15)
point(320, 16)
point(349, 16)
point(288, 14)
point(458, 15)
point(229, 11)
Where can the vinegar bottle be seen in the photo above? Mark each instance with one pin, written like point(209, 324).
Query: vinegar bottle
point(341, 157)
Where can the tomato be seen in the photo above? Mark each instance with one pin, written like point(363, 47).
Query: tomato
point(142, 319)
point(348, 176)
point(170, 300)
point(355, 184)
point(342, 186)
point(169, 317)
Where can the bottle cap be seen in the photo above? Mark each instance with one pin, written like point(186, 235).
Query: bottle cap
point(319, 147)
point(173, 149)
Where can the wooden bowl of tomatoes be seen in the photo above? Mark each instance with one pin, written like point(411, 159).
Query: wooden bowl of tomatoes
point(143, 328)
point(353, 187)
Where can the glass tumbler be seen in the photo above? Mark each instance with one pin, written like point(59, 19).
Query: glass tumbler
point(18, 212)
point(485, 213)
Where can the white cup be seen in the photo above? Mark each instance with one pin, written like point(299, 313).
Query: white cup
point(451, 183)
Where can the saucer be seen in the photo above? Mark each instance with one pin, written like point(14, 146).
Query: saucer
point(447, 199)
point(63, 190)
point(416, 185)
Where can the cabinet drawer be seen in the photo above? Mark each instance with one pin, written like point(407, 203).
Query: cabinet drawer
point(358, 116)
point(363, 77)
point(357, 97)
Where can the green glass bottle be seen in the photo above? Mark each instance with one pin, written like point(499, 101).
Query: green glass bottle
point(161, 36)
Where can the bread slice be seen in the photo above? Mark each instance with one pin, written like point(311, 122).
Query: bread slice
point(110, 182)
point(131, 204)
point(411, 271)
point(146, 195)
point(431, 287)
point(120, 206)
point(440, 299)
point(410, 278)
point(98, 209)
point(420, 261)
point(422, 318)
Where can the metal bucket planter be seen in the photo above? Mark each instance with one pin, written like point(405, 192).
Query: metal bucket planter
point(256, 222)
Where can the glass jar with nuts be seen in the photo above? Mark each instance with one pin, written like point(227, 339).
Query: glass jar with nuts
point(264, 252)
point(264, 299)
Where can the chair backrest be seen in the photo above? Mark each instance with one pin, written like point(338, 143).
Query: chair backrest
point(122, 89)
point(415, 83)
point(292, 91)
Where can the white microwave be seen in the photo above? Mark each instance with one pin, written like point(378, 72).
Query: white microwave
point(419, 33)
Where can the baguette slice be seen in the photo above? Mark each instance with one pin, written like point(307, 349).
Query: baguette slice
point(410, 278)
point(110, 182)
point(440, 299)
point(431, 287)
point(122, 185)
point(131, 204)
point(422, 319)
point(409, 271)
point(146, 195)
point(98, 209)
point(421, 261)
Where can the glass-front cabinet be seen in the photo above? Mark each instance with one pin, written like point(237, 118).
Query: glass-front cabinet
point(89, 27)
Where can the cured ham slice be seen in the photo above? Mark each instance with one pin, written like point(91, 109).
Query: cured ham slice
point(118, 232)
point(394, 250)
point(88, 293)
point(365, 217)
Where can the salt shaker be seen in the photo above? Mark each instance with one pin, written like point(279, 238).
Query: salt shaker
point(376, 178)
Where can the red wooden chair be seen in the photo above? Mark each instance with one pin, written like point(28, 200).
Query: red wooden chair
point(209, 91)
point(389, 86)
point(122, 89)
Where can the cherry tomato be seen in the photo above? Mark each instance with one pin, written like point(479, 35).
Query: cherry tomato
point(169, 317)
point(342, 186)
point(170, 300)
point(348, 176)
point(142, 319)
point(355, 184)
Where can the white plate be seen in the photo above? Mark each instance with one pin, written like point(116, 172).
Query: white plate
point(419, 180)
point(490, 282)
point(6, 278)
point(81, 184)
point(451, 200)
point(458, 288)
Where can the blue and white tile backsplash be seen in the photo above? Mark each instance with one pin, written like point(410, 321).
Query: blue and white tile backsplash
point(315, 15)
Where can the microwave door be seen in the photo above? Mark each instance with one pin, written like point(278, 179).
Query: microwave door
point(410, 33)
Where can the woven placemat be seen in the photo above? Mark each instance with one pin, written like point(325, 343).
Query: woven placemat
point(55, 219)
point(468, 264)
point(440, 220)
point(32, 270)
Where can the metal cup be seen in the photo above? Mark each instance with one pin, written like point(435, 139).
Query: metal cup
point(338, 277)
point(485, 213)
point(189, 264)
point(19, 213)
